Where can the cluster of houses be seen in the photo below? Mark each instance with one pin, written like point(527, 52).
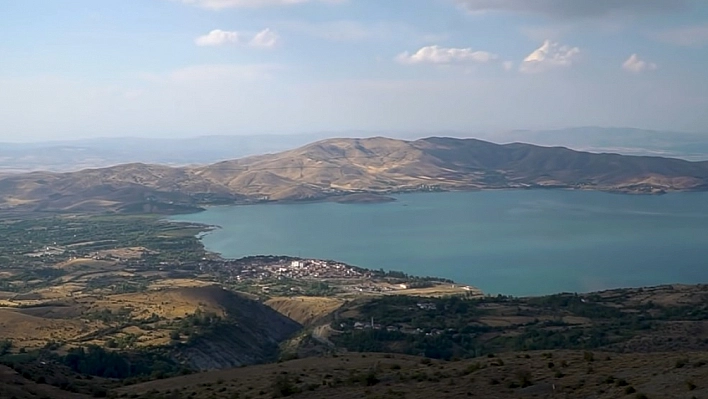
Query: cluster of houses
point(371, 325)
point(261, 268)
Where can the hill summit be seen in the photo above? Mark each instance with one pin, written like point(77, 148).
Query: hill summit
point(340, 167)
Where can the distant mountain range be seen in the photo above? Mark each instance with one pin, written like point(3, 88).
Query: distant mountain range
point(73, 155)
point(626, 141)
point(340, 168)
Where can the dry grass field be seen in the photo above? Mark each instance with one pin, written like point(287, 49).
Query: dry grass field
point(305, 310)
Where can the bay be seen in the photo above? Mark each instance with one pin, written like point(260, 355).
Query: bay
point(516, 242)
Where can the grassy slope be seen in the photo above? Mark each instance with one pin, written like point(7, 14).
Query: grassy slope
point(534, 374)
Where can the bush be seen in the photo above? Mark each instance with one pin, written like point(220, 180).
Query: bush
point(5, 346)
point(629, 390)
point(621, 382)
point(588, 356)
point(524, 378)
point(284, 386)
point(472, 368)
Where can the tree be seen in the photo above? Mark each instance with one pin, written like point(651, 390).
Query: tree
point(5, 346)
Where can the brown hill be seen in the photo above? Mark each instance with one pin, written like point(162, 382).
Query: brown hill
point(337, 167)
point(556, 374)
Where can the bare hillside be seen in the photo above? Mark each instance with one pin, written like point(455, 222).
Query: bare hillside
point(337, 167)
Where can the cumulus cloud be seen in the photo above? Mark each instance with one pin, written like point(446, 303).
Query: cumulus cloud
point(689, 36)
point(221, 4)
point(575, 8)
point(445, 55)
point(635, 64)
point(550, 55)
point(217, 37)
point(265, 38)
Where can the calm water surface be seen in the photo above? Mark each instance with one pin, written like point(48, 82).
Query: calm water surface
point(510, 242)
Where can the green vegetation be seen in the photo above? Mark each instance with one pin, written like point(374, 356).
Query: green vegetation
point(458, 327)
point(32, 246)
point(98, 362)
point(5, 346)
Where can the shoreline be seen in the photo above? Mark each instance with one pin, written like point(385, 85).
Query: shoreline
point(491, 284)
point(387, 196)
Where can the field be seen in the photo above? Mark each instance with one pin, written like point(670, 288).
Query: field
point(305, 310)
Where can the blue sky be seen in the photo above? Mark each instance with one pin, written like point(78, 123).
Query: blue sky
point(177, 68)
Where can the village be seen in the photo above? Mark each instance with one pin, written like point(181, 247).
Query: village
point(263, 274)
point(280, 267)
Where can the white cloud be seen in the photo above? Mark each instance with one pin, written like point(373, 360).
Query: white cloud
point(217, 37)
point(689, 36)
point(222, 4)
point(445, 55)
point(636, 65)
point(550, 55)
point(265, 38)
point(508, 65)
point(575, 8)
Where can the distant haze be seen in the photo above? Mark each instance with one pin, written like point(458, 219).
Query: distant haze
point(71, 155)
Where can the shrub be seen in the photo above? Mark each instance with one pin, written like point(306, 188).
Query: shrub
point(621, 382)
point(524, 378)
point(588, 356)
point(472, 368)
point(629, 390)
point(691, 386)
point(284, 386)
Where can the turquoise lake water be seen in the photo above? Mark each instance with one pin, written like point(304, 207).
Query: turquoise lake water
point(523, 242)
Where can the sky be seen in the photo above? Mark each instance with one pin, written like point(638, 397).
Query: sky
point(184, 68)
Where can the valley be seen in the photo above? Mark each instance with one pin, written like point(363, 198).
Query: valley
point(140, 297)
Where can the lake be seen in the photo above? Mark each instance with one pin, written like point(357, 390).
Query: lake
point(516, 242)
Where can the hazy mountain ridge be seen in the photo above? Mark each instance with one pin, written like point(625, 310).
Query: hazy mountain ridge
point(335, 167)
point(74, 155)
